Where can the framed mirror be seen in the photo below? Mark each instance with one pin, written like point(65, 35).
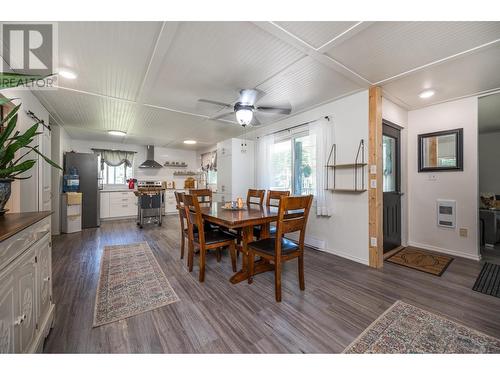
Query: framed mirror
point(441, 151)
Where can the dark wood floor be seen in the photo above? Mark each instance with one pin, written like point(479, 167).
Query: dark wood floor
point(341, 299)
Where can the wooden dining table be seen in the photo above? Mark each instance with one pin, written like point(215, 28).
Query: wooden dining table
point(244, 219)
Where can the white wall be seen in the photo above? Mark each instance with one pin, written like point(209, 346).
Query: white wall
point(60, 144)
point(345, 233)
point(25, 196)
point(489, 163)
point(399, 116)
point(460, 186)
point(161, 155)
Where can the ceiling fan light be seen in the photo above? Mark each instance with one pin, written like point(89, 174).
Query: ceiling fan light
point(244, 116)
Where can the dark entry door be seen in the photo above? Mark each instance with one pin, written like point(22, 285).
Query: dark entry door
point(391, 157)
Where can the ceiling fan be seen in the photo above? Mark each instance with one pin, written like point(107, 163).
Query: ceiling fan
point(245, 107)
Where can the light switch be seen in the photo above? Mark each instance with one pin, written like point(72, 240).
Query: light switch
point(373, 241)
point(463, 232)
point(373, 169)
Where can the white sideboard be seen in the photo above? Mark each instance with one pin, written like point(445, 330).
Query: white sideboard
point(26, 307)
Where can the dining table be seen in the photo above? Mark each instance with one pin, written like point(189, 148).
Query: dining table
point(243, 219)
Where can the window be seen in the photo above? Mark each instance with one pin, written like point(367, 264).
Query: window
point(116, 175)
point(212, 177)
point(293, 164)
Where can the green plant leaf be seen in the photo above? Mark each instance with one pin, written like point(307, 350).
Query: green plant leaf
point(21, 167)
point(44, 157)
point(6, 132)
point(22, 141)
point(4, 101)
point(11, 114)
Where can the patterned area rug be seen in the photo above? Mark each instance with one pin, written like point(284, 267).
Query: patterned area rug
point(130, 282)
point(488, 281)
point(404, 329)
point(421, 260)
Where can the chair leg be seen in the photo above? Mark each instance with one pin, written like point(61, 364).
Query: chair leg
point(301, 272)
point(251, 263)
point(232, 251)
point(203, 252)
point(277, 281)
point(218, 252)
point(190, 256)
point(183, 239)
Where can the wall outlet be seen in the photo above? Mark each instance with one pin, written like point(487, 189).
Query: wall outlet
point(373, 183)
point(464, 232)
point(432, 177)
point(373, 241)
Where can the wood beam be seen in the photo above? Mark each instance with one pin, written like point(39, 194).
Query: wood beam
point(375, 196)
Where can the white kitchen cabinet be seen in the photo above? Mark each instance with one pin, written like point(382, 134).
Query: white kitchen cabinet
point(170, 202)
point(118, 204)
point(104, 204)
point(26, 308)
point(235, 169)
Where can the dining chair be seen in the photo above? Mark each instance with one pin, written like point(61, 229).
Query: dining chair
point(292, 217)
point(203, 195)
point(272, 200)
point(204, 240)
point(255, 196)
point(179, 198)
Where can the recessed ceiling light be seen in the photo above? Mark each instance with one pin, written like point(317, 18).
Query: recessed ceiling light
point(426, 94)
point(190, 142)
point(68, 74)
point(117, 132)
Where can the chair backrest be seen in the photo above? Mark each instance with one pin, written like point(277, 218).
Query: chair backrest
point(193, 215)
point(179, 198)
point(273, 197)
point(292, 217)
point(203, 195)
point(255, 196)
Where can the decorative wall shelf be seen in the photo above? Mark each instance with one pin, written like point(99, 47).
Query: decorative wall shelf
point(173, 165)
point(186, 173)
point(359, 164)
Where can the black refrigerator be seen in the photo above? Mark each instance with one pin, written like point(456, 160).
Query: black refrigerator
point(88, 170)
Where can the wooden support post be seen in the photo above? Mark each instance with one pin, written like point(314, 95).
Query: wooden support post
point(375, 196)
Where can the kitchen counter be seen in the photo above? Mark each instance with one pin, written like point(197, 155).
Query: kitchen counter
point(11, 224)
point(117, 190)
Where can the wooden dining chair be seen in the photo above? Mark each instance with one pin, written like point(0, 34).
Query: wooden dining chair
point(204, 240)
point(292, 217)
point(179, 198)
point(203, 195)
point(272, 200)
point(255, 196)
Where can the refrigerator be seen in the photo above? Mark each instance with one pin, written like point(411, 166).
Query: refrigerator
point(88, 171)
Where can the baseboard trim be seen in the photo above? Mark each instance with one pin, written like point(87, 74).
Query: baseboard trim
point(445, 251)
point(343, 254)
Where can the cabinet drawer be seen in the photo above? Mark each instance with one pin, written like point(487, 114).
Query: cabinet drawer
point(124, 209)
point(15, 245)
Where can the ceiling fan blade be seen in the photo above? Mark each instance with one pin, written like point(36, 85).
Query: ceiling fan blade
point(250, 96)
point(220, 116)
point(255, 121)
point(215, 102)
point(281, 111)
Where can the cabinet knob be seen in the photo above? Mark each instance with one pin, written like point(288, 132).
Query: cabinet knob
point(45, 279)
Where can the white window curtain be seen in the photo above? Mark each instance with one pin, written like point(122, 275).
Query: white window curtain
point(323, 131)
point(263, 170)
point(115, 158)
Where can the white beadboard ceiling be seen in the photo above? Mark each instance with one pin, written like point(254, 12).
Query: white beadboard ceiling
point(145, 77)
point(489, 113)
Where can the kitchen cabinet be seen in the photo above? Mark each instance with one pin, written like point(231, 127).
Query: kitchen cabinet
point(26, 308)
point(170, 202)
point(118, 204)
point(235, 169)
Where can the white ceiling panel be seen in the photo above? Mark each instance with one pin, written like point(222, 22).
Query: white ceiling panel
point(305, 84)
point(213, 60)
point(386, 49)
point(110, 58)
point(88, 111)
point(465, 75)
point(316, 33)
point(489, 113)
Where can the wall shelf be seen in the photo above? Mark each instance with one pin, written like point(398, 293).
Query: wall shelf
point(347, 191)
point(358, 165)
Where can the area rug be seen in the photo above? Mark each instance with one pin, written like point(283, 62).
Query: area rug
point(421, 260)
point(130, 282)
point(488, 281)
point(405, 328)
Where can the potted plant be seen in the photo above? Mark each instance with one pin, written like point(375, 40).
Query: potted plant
point(15, 152)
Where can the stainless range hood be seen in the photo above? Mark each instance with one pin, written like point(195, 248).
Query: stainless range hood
point(150, 159)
